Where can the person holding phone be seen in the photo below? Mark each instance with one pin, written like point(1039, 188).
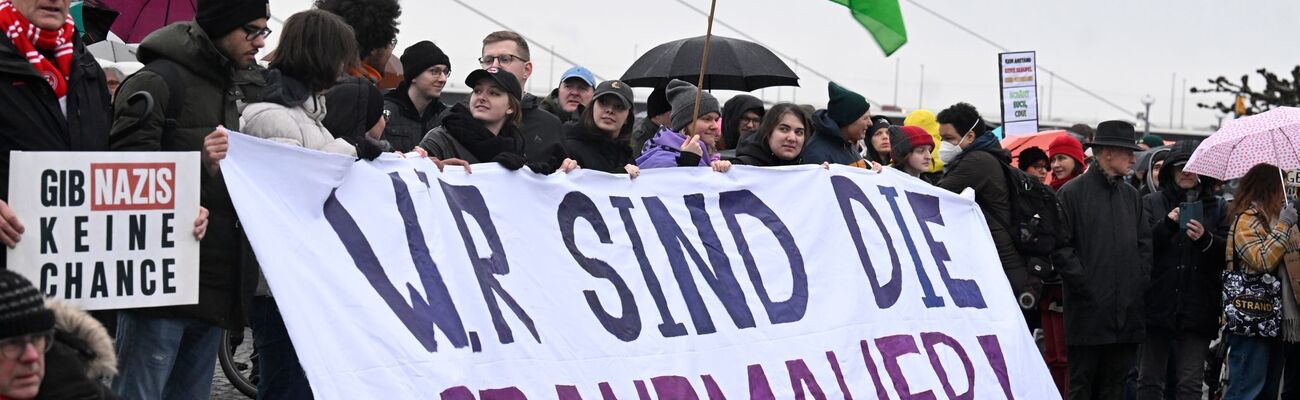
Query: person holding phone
point(1188, 236)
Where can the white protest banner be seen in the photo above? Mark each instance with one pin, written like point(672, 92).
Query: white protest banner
point(1018, 76)
point(107, 230)
point(400, 282)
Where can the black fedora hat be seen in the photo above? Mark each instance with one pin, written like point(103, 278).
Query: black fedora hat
point(1115, 134)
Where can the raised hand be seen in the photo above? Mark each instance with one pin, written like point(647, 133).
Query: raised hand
point(693, 145)
point(215, 146)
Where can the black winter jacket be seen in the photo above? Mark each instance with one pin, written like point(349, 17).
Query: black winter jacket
point(212, 94)
point(32, 119)
point(982, 171)
point(406, 125)
point(1186, 282)
point(595, 150)
point(1108, 268)
point(541, 130)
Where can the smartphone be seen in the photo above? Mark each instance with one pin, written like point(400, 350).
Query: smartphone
point(1189, 211)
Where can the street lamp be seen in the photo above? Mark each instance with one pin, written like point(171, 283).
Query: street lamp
point(1147, 101)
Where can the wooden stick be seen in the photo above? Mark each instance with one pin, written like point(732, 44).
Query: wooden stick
point(704, 62)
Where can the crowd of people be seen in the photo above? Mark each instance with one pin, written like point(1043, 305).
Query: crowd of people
point(1125, 294)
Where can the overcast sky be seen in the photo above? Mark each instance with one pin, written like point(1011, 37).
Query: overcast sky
point(1119, 49)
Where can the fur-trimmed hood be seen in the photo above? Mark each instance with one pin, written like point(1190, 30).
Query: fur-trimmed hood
point(82, 333)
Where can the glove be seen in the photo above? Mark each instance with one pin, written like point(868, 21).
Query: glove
point(542, 168)
point(369, 149)
point(1288, 216)
point(512, 161)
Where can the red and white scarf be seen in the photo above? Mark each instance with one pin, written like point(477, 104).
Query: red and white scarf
point(31, 40)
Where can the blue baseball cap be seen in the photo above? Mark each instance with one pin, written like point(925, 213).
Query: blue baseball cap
point(581, 73)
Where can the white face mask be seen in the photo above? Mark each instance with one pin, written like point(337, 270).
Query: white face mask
point(948, 151)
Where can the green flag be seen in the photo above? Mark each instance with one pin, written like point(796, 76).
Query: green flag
point(882, 18)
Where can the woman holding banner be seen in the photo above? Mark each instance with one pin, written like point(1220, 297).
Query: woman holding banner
point(687, 141)
point(314, 50)
point(488, 129)
point(592, 141)
point(780, 138)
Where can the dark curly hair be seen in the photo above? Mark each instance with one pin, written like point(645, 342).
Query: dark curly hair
point(373, 21)
point(962, 117)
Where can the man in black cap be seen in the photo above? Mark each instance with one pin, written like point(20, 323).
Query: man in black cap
point(413, 107)
point(1107, 270)
point(191, 73)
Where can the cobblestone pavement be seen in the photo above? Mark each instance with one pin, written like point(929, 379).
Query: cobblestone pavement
point(221, 387)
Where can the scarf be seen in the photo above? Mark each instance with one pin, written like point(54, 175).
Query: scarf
point(986, 141)
point(1288, 273)
point(476, 138)
point(32, 41)
point(1058, 183)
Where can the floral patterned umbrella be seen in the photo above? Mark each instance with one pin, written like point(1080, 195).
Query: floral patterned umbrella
point(1272, 137)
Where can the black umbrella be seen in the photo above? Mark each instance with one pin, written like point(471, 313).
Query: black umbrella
point(733, 64)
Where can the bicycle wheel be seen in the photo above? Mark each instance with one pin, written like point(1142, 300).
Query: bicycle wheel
point(239, 361)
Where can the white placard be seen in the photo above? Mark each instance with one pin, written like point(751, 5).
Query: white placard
point(107, 230)
point(1018, 77)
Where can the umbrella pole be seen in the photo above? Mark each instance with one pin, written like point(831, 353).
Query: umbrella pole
point(704, 62)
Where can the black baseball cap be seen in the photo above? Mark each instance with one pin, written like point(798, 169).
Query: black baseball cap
point(505, 80)
point(615, 88)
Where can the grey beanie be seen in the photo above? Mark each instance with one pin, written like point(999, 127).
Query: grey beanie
point(681, 95)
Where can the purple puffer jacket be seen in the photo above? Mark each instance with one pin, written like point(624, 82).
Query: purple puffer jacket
point(661, 151)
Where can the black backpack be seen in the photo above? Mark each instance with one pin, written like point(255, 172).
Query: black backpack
point(170, 73)
point(1036, 223)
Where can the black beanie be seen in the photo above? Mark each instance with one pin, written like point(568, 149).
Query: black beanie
point(219, 17)
point(658, 102)
point(421, 56)
point(353, 106)
point(1029, 156)
point(845, 106)
point(22, 308)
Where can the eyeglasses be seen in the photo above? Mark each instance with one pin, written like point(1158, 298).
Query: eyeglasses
point(254, 31)
point(446, 72)
point(505, 59)
point(13, 348)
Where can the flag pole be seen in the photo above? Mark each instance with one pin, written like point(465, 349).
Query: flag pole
point(704, 62)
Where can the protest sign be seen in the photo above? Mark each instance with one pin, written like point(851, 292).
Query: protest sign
point(396, 279)
point(107, 230)
point(1018, 77)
